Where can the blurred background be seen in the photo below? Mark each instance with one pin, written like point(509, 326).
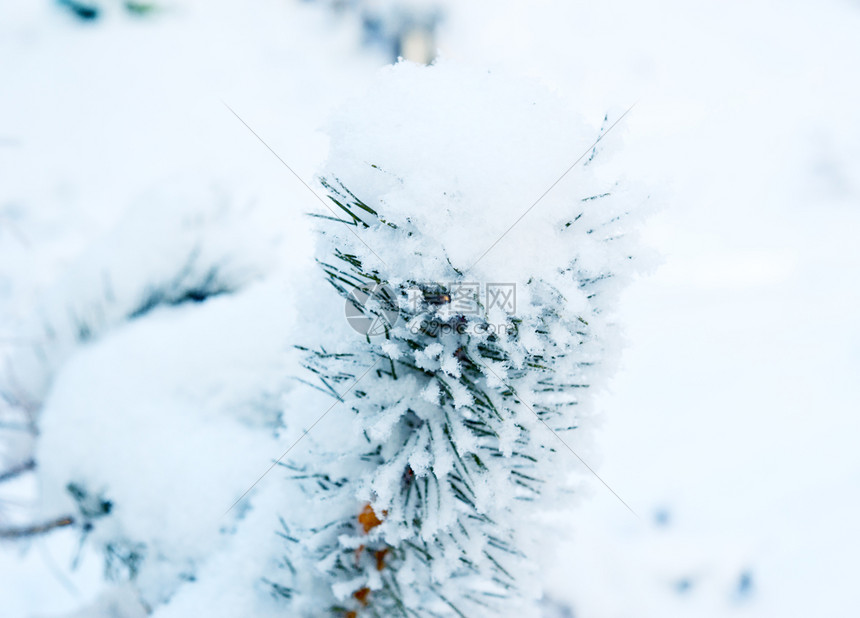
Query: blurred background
point(732, 427)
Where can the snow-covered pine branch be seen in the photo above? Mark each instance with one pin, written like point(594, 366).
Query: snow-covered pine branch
point(421, 506)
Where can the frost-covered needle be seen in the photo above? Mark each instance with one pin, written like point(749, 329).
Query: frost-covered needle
point(560, 439)
point(299, 439)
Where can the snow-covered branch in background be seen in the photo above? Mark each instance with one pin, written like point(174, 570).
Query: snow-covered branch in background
point(160, 354)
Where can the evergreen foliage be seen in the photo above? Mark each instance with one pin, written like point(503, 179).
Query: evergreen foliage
point(456, 415)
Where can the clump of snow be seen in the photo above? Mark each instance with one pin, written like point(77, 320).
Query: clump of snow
point(465, 186)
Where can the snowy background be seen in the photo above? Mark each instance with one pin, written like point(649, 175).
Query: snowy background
point(733, 424)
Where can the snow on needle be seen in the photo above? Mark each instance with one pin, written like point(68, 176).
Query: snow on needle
point(560, 439)
point(306, 432)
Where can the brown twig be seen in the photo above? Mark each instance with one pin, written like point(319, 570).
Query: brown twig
point(36, 529)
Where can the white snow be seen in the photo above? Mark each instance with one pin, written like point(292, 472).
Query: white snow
point(733, 419)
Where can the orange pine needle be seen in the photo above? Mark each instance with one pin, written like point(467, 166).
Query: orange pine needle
point(368, 519)
point(361, 596)
point(380, 559)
